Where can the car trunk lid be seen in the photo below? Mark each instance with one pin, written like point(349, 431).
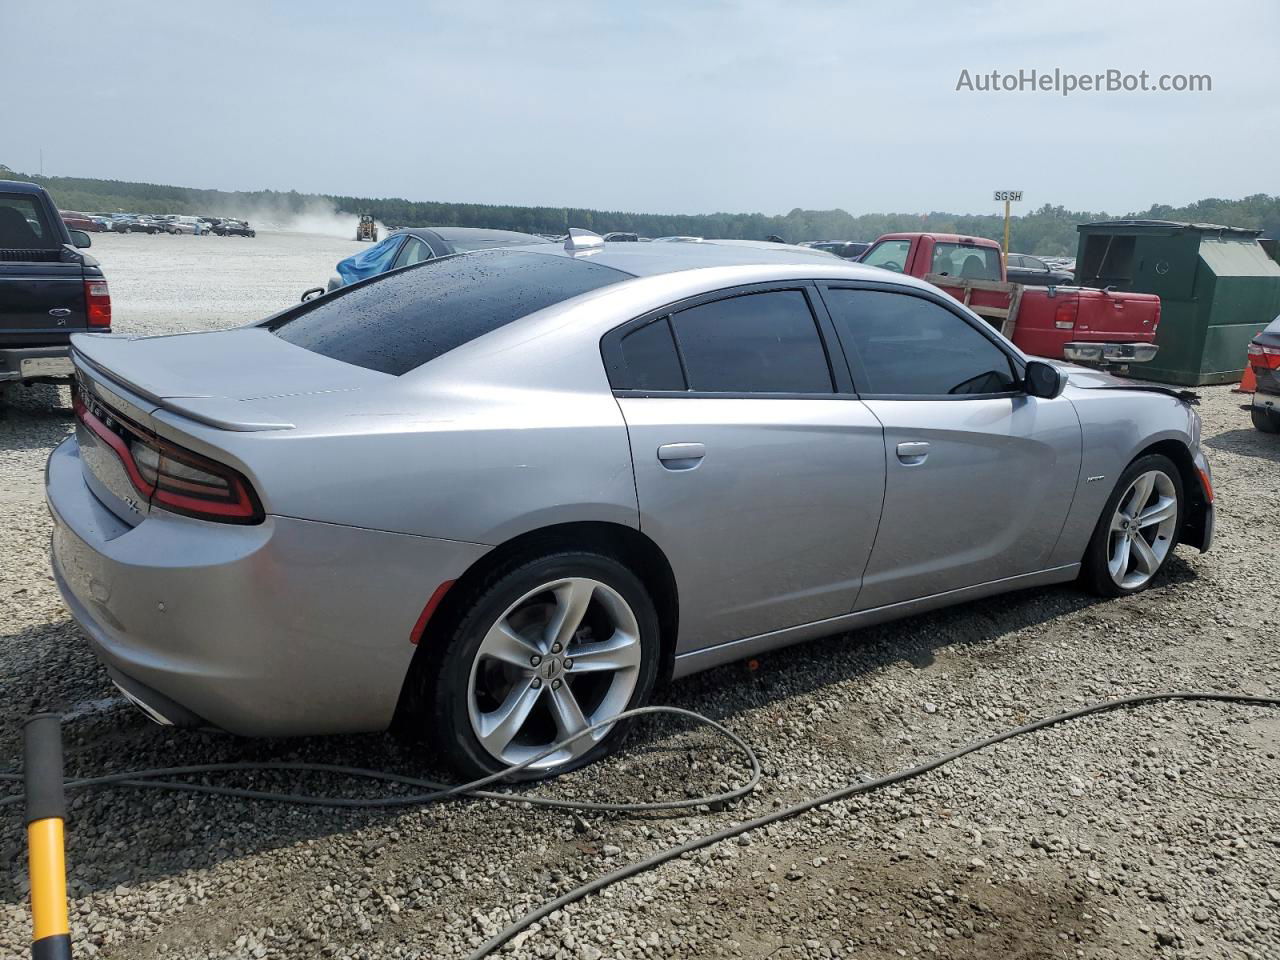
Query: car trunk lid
point(232, 379)
point(241, 380)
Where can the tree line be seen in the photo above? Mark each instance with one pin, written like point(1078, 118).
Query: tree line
point(1048, 230)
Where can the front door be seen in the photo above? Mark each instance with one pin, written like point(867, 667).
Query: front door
point(980, 476)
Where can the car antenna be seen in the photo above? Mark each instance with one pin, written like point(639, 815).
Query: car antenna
point(583, 241)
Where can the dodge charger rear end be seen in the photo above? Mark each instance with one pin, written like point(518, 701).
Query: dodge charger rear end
point(498, 497)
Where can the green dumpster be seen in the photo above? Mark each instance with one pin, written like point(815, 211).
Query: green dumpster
point(1217, 288)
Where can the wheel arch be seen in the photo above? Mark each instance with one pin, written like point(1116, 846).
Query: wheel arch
point(623, 543)
point(1194, 517)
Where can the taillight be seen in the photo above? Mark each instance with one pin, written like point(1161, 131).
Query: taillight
point(97, 302)
point(1064, 318)
point(170, 476)
point(1264, 356)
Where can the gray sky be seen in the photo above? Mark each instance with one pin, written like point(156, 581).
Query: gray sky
point(649, 105)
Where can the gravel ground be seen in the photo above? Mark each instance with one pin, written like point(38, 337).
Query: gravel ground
point(1151, 833)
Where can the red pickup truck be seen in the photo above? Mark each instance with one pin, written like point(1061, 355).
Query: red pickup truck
point(1074, 323)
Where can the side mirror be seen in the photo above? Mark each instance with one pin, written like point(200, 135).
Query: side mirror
point(80, 239)
point(1043, 380)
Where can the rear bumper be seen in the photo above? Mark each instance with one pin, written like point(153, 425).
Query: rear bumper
point(281, 628)
point(1267, 383)
point(12, 367)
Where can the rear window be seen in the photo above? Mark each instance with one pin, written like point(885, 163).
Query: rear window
point(966, 260)
point(23, 225)
point(402, 320)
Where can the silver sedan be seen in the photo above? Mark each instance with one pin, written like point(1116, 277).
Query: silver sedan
point(498, 497)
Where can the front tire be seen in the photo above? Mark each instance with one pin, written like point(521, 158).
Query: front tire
point(1268, 421)
point(542, 649)
point(1138, 529)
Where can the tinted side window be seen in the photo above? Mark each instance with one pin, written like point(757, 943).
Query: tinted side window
point(911, 346)
point(651, 362)
point(755, 343)
point(400, 321)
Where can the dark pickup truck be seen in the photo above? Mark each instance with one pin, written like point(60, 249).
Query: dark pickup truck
point(49, 288)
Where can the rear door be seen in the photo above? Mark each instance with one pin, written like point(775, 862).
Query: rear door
point(41, 293)
point(758, 473)
point(980, 476)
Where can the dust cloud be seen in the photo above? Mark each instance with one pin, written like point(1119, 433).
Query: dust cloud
point(317, 216)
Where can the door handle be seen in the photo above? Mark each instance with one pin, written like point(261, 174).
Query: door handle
point(913, 453)
point(59, 312)
point(681, 456)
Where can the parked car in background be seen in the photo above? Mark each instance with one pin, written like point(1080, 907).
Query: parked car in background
point(229, 227)
point(49, 287)
point(1075, 323)
point(534, 467)
point(79, 221)
point(104, 222)
point(409, 245)
point(139, 224)
point(1264, 359)
point(1025, 269)
point(845, 249)
point(184, 225)
point(621, 236)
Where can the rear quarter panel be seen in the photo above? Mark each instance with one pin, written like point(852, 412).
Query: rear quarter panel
point(495, 438)
point(1116, 426)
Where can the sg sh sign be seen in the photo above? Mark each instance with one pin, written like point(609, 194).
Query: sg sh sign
point(1007, 195)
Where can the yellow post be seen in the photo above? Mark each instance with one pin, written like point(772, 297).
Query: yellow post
point(48, 879)
point(46, 853)
point(1006, 234)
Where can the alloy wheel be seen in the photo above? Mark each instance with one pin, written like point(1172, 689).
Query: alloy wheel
point(1142, 529)
point(564, 656)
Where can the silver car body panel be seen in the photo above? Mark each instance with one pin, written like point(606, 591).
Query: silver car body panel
point(284, 627)
point(379, 489)
point(797, 486)
point(1115, 427)
point(984, 502)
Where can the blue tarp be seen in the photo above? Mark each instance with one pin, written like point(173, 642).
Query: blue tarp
point(369, 263)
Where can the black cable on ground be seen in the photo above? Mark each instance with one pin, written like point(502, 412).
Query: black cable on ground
point(151, 779)
point(494, 943)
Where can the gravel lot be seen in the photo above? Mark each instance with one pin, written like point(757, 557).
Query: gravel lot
point(1152, 833)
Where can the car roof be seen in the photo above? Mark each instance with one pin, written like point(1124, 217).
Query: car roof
point(939, 238)
point(19, 186)
point(648, 260)
point(471, 233)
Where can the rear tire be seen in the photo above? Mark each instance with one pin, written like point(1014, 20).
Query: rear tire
point(1138, 528)
point(540, 649)
point(1268, 421)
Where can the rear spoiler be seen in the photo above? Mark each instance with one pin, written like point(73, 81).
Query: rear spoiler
point(220, 412)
